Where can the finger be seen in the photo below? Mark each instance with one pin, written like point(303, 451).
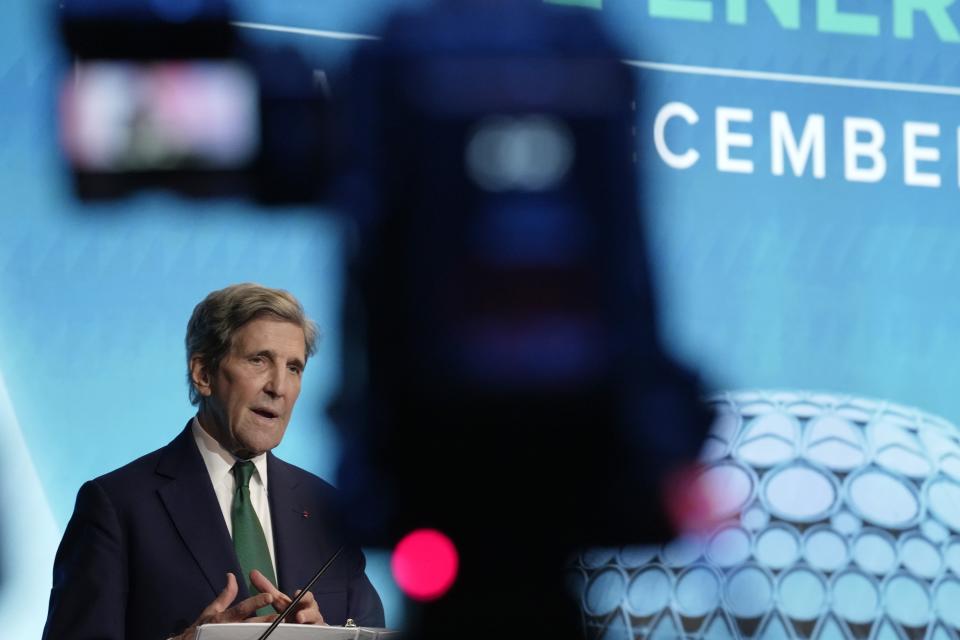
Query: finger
point(307, 610)
point(246, 608)
point(307, 598)
point(223, 600)
point(263, 584)
point(280, 600)
point(309, 616)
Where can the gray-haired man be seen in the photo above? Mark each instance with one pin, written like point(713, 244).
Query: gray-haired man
point(213, 527)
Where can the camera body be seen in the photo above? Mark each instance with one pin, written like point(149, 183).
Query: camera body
point(168, 95)
point(504, 367)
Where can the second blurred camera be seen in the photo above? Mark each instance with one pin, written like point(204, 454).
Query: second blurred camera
point(168, 95)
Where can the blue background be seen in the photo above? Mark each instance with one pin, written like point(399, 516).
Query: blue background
point(766, 281)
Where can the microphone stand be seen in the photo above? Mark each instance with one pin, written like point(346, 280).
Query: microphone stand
point(302, 593)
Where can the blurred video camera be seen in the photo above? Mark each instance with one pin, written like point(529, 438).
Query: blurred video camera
point(166, 94)
point(501, 349)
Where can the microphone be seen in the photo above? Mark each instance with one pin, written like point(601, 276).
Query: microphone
point(299, 597)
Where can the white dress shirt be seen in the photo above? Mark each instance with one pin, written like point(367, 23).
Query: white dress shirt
point(219, 464)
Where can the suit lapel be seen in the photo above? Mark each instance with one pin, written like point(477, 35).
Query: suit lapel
point(301, 541)
point(192, 505)
point(288, 532)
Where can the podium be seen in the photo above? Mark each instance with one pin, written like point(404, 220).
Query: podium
point(253, 630)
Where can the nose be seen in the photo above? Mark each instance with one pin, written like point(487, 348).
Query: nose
point(278, 383)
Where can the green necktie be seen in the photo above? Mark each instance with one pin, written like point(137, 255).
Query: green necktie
point(248, 539)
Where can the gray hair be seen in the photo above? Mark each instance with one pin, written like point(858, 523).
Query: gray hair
point(218, 317)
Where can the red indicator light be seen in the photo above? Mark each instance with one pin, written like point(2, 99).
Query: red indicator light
point(425, 564)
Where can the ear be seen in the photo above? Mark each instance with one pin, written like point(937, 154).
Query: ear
point(200, 375)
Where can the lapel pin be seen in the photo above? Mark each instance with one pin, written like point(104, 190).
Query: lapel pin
point(306, 514)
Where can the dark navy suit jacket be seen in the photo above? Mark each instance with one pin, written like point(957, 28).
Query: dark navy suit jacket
point(147, 549)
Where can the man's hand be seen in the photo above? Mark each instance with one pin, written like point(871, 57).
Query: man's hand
point(307, 611)
point(217, 610)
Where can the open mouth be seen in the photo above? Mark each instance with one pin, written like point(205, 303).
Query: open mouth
point(265, 413)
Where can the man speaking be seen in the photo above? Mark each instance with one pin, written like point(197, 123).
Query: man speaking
point(213, 527)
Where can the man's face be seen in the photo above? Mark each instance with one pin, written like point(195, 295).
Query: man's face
point(249, 400)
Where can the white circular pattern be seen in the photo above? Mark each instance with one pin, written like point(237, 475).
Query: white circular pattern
point(846, 523)
point(825, 549)
point(649, 591)
point(681, 551)
point(950, 465)
point(855, 597)
point(879, 497)
point(799, 492)
point(898, 450)
point(901, 416)
point(875, 551)
point(713, 449)
point(730, 545)
point(907, 600)
point(835, 443)
point(946, 600)
point(698, 591)
point(902, 460)
point(726, 425)
point(604, 592)
point(951, 555)
point(943, 501)
point(748, 592)
point(598, 557)
point(934, 531)
point(919, 556)
point(802, 594)
point(731, 487)
point(777, 547)
point(769, 440)
point(637, 556)
point(818, 539)
point(755, 518)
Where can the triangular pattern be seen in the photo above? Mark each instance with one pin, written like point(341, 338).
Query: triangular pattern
point(617, 629)
point(774, 629)
point(803, 628)
point(665, 629)
point(830, 629)
point(886, 630)
point(940, 632)
point(718, 628)
point(747, 626)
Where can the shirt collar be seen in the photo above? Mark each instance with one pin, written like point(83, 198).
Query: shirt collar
point(219, 461)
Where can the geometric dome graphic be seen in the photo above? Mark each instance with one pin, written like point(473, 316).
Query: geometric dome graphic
point(842, 522)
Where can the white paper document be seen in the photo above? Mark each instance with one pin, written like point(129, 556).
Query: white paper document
point(253, 630)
